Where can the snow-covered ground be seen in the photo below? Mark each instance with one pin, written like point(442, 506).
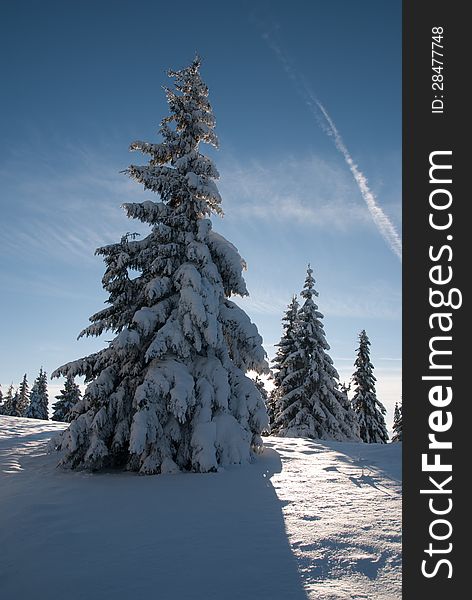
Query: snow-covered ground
point(308, 520)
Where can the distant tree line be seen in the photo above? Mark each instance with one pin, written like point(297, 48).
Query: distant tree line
point(307, 399)
point(34, 403)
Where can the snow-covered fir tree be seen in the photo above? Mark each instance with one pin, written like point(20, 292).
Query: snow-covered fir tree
point(16, 405)
point(1, 401)
point(288, 341)
point(370, 411)
point(8, 401)
point(170, 391)
point(397, 424)
point(23, 398)
point(39, 400)
point(12, 405)
point(68, 397)
point(309, 402)
point(259, 383)
point(341, 393)
point(285, 348)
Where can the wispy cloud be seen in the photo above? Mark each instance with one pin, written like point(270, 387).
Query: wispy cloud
point(383, 223)
point(374, 300)
point(371, 300)
point(304, 190)
point(63, 212)
point(36, 284)
point(66, 212)
point(381, 220)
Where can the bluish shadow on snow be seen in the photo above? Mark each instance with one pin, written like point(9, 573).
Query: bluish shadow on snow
point(362, 480)
point(123, 537)
point(371, 458)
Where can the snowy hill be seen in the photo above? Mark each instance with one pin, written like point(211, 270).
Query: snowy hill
point(308, 520)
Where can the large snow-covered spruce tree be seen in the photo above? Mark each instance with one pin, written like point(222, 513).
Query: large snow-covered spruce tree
point(309, 402)
point(69, 396)
point(170, 391)
point(38, 406)
point(370, 411)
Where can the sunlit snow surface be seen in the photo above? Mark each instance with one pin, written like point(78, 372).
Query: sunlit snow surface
point(308, 520)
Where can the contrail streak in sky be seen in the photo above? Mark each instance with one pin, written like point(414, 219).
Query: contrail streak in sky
point(383, 223)
point(381, 220)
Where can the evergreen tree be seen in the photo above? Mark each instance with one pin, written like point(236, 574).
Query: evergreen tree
point(16, 405)
point(13, 404)
point(397, 424)
point(288, 341)
point(170, 391)
point(1, 401)
point(350, 415)
point(66, 400)
point(23, 398)
point(259, 383)
point(285, 348)
point(8, 401)
point(38, 406)
point(370, 412)
point(308, 400)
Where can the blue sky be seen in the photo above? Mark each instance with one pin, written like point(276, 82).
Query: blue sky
point(81, 80)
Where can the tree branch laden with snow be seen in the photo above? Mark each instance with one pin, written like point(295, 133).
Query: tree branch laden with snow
point(170, 391)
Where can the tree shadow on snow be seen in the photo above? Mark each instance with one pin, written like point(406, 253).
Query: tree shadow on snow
point(119, 536)
point(368, 480)
point(383, 459)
